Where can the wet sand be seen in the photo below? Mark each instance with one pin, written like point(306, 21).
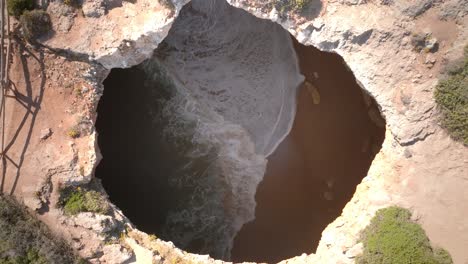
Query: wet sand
point(314, 171)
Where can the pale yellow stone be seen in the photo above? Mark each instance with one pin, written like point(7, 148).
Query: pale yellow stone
point(313, 91)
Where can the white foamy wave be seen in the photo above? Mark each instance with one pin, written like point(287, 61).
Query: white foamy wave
point(240, 66)
point(231, 101)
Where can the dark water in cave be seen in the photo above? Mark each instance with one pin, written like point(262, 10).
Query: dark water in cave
point(314, 171)
point(133, 159)
point(185, 138)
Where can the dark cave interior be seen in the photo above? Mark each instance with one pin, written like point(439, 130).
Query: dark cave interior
point(309, 178)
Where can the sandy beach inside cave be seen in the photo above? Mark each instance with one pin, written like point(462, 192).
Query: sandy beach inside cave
point(314, 171)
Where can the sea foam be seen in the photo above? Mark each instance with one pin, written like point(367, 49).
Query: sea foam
point(226, 84)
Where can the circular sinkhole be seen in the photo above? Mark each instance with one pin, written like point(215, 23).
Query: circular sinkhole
point(235, 140)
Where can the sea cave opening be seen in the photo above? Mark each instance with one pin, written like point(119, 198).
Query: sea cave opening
point(234, 139)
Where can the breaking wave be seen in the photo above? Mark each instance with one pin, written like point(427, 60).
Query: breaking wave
point(224, 85)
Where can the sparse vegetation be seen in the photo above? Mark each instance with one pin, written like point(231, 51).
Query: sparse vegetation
point(78, 91)
point(424, 42)
point(72, 3)
point(300, 4)
point(392, 237)
point(291, 5)
point(74, 132)
point(122, 237)
point(451, 96)
point(24, 239)
point(166, 3)
point(76, 199)
point(442, 256)
point(17, 7)
point(35, 24)
point(152, 237)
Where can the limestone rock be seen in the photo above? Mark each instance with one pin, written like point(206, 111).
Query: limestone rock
point(431, 44)
point(313, 91)
point(142, 254)
point(386, 2)
point(45, 133)
point(430, 60)
point(122, 37)
point(115, 253)
point(419, 7)
point(96, 222)
point(355, 251)
point(94, 8)
point(353, 2)
point(454, 9)
point(62, 16)
point(32, 203)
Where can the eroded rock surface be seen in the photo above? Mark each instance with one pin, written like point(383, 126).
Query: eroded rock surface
point(113, 33)
point(374, 38)
point(419, 166)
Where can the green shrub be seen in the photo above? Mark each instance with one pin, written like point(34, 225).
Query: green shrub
point(451, 96)
point(76, 200)
point(24, 239)
point(17, 7)
point(74, 132)
point(442, 256)
point(393, 238)
point(300, 4)
point(73, 3)
point(291, 5)
point(35, 24)
point(32, 256)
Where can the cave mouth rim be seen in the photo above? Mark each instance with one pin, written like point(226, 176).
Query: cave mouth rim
point(362, 89)
point(268, 157)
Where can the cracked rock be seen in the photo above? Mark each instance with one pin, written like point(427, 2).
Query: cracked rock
point(355, 251)
point(45, 133)
point(94, 8)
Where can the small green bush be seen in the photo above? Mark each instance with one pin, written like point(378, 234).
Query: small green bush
point(291, 5)
point(76, 200)
point(442, 256)
point(392, 238)
point(32, 256)
point(35, 24)
point(451, 96)
point(17, 7)
point(74, 132)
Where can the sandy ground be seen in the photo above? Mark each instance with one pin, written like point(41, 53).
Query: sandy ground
point(47, 93)
point(31, 106)
point(47, 98)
